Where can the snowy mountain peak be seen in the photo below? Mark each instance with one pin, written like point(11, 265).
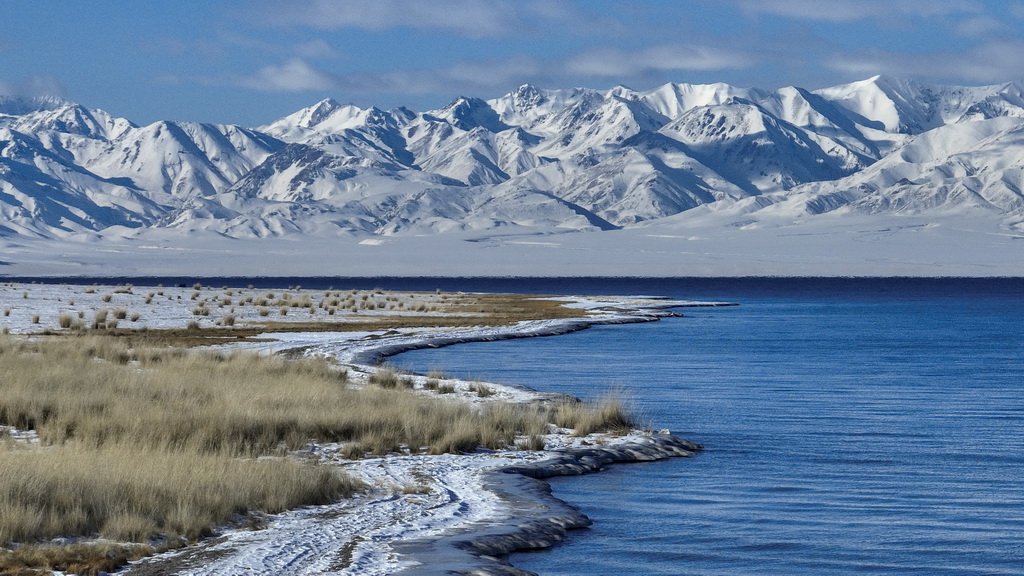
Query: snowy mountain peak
point(551, 159)
point(672, 100)
point(468, 113)
point(527, 95)
point(325, 116)
point(318, 112)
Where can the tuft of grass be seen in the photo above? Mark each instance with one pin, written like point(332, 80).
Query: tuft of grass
point(385, 378)
point(127, 494)
point(533, 442)
point(87, 559)
point(99, 319)
point(481, 390)
point(353, 451)
point(607, 414)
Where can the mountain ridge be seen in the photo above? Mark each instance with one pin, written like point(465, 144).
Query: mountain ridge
point(533, 160)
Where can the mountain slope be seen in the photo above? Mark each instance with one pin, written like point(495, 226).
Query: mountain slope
point(532, 161)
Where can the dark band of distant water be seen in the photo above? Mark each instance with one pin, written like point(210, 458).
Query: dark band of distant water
point(692, 288)
point(851, 426)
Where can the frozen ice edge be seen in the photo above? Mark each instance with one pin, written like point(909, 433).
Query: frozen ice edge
point(482, 506)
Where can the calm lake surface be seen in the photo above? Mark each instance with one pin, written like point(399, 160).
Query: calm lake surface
point(850, 426)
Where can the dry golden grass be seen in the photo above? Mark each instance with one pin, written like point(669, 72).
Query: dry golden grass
point(161, 441)
point(126, 494)
point(441, 311)
point(607, 414)
point(144, 439)
point(237, 403)
point(88, 559)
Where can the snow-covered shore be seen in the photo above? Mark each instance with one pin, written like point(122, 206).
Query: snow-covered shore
point(421, 514)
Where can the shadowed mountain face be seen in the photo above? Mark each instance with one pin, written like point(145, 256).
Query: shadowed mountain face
point(533, 159)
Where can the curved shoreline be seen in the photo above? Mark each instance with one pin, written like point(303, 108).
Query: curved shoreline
point(537, 519)
point(620, 310)
point(534, 518)
point(434, 514)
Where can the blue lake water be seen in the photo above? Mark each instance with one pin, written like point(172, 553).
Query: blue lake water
point(850, 426)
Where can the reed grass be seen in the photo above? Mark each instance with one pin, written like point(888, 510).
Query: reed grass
point(87, 559)
point(109, 413)
point(143, 441)
point(608, 413)
point(126, 494)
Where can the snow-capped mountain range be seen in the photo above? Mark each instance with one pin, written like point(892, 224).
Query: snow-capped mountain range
point(544, 160)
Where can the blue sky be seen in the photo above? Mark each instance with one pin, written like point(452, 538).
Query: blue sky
point(250, 62)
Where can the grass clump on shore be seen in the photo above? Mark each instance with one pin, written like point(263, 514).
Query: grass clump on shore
point(126, 494)
point(85, 558)
point(100, 392)
point(607, 414)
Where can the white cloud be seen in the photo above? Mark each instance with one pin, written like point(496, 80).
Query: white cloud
point(469, 18)
point(33, 86)
point(492, 73)
point(316, 48)
point(980, 26)
point(992, 62)
point(490, 77)
point(294, 75)
point(613, 62)
point(851, 11)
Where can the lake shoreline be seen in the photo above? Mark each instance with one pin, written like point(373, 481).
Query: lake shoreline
point(421, 513)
